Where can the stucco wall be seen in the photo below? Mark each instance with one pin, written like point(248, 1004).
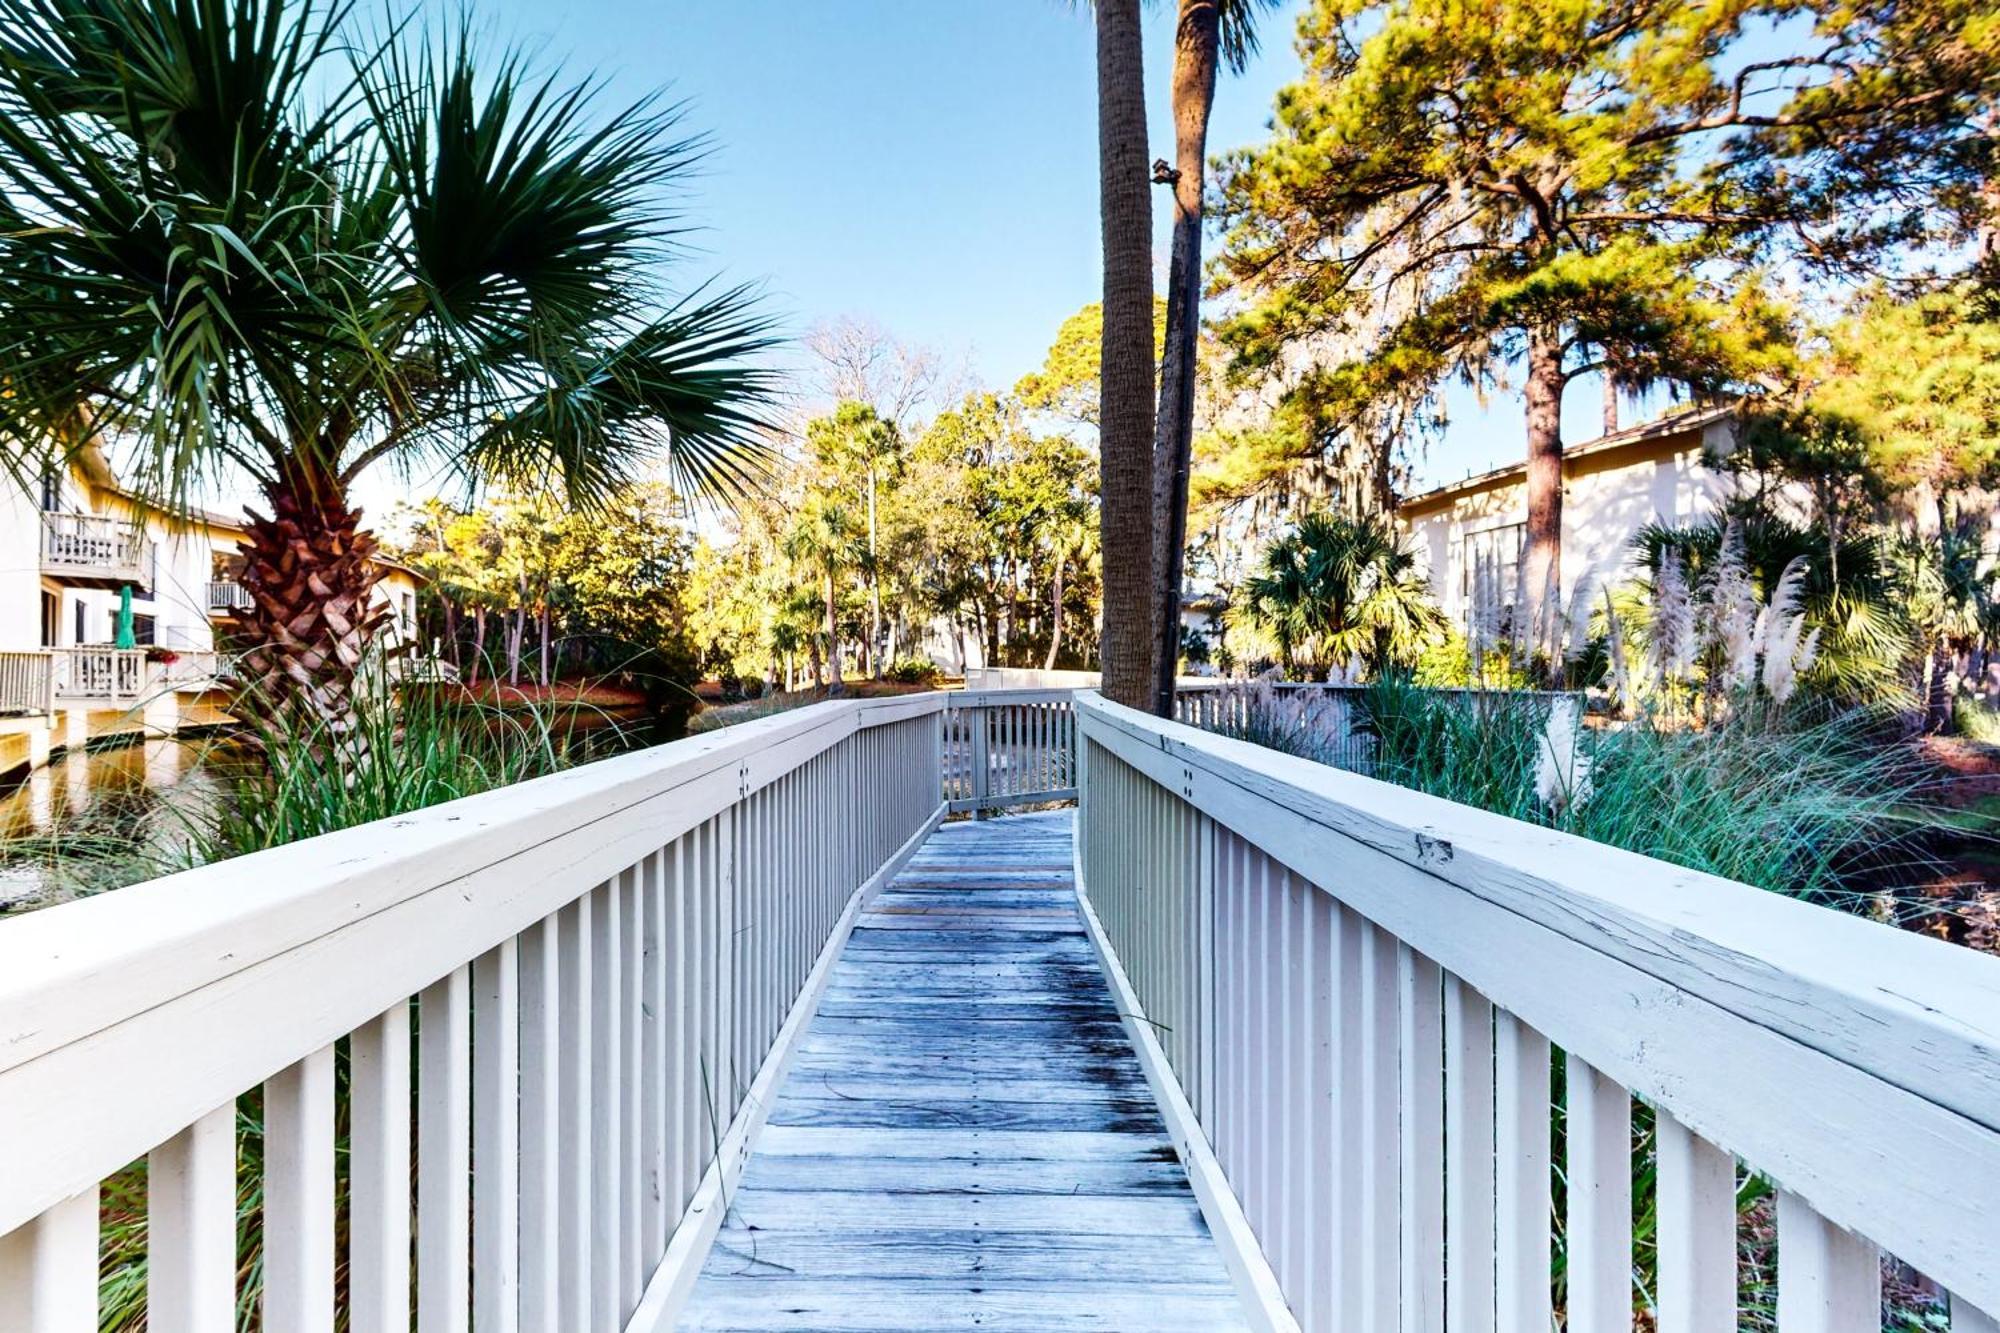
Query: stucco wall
point(1607, 498)
point(20, 569)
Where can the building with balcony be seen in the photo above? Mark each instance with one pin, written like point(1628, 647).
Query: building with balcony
point(69, 547)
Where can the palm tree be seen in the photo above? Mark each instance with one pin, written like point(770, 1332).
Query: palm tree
point(1207, 33)
point(1125, 412)
point(1855, 593)
point(242, 237)
point(1338, 590)
point(826, 541)
point(857, 436)
point(1068, 532)
point(1950, 602)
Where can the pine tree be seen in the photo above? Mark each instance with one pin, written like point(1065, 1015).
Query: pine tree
point(1560, 188)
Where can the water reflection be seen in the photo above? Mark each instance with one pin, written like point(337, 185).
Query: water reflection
point(99, 819)
point(107, 818)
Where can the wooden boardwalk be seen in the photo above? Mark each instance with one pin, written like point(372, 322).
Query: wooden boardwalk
point(965, 1139)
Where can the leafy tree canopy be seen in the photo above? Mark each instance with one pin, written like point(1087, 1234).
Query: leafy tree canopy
point(1066, 386)
point(1578, 183)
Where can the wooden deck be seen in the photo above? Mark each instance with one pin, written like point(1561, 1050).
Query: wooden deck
point(965, 1140)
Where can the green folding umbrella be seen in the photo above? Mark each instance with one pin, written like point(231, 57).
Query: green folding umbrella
point(126, 639)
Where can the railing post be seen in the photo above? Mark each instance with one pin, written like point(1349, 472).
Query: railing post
point(982, 777)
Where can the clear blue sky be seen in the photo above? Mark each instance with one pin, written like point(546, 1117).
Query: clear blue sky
point(926, 164)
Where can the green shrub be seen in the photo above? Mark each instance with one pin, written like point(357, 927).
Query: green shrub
point(914, 671)
point(1976, 721)
point(406, 750)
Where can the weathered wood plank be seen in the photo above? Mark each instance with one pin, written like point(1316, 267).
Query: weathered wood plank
point(965, 1138)
point(1001, 1257)
point(857, 1305)
point(1131, 1115)
point(932, 1144)
point(968, 1175)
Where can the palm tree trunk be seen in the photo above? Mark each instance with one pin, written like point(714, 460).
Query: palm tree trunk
point(1197, 39)
point(833, 636)
point(1125, 410)
point(545, 645)
point(1055, 617)
point(309, 571)
point(1937, 699)
point(874, 664)
point(517, 630)
point(478, 644)
point(1541, 561)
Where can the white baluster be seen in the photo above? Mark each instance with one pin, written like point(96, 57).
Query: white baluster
point(298, 1197)
point(1829, 1279)
point(191, 1227)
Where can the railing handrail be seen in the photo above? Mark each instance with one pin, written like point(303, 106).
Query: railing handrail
point(968, 699)
point(86, 517)
point(285, 950)
point(58, 525)
point(221, 594)
point(1186, 686)
point(1743, 1013)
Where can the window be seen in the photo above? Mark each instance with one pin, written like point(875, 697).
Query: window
point(51, 618)
point(143, 628)
point(51, 492)
point(1497, 552)
point(82, 635)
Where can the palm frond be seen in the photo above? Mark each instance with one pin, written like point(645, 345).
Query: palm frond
point(683, 386)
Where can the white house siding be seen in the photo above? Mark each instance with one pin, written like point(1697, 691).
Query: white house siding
point(20, 570)
point(1610, 491)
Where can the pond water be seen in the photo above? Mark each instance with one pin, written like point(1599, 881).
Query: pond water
point(96, 819)
point(101, 819)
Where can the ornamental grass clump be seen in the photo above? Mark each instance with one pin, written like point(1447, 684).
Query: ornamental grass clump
point(404, 749)
point(1789, 808)
point(1310, 723)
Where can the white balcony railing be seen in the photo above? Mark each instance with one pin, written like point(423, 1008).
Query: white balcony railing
point(94, 546)
point(117, 675)
point(189, 670)
point(27, 683)
point(1354, 999)
point(227, 595)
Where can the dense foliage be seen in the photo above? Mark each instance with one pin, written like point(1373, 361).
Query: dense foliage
point(270, 238)
point(1336, 594)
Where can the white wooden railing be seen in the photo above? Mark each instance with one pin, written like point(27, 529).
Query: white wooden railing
point(191, 669)
point(579, 978)
point(27, 683)
point(227, 594)
point(1365, 1010)
point(115, 674)
point(1029, 678)
point(93, 544)
point(1009, 747)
